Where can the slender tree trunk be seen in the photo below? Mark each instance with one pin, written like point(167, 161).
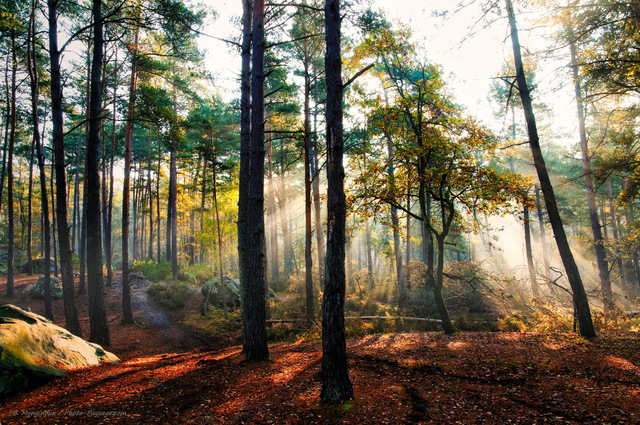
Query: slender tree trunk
point(54, 220)
point(533, 279)
point(218, 226)
point(336, 385)
point(151, 204)
point(82, 254)
point(274, 257)
point(7, 126)
point(99, 329)
point(37, 143)
point(395, 224)
point(543, 231)
point(29, 228)
point(308, 235)
point(407, 249)
point(317, 203)
point(613, 217)
point(598, 239)
point(369, 253)
point(76, 203)
point(107, 191)
point(287, 248)
point(127, 310)
point(65, 251)
point(172, 224)
point(10, 209)
point(581, 303)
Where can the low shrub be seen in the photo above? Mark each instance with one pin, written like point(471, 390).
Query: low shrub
point(172, 296)
point(155, 272)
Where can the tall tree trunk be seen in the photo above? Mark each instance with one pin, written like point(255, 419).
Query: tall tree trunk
point(99, 329)
point(401, 281)
point(317, 203)
point(581, 303)
point(10, 209)
point(107, 191)
point(407, 249)
point(151, 204)
point(251, 240)
point(29, 228)
point(368, 253)
point(598, 239)
point(274, 255)
point(533, 279)
point(127, 310)
point(308, 234)
point(336, 385)
point(82, 254)
point(613, 217)
point(218, 226)
point(252, 245)
point(172, 221)
point(287, 248)
point(65, 251)
point(37, 142)
point(543, 231)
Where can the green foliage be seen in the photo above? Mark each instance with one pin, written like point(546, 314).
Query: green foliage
point(187, 277)
point(200, 272)
point(155, 272)
point(222, 327)
point(172, 296)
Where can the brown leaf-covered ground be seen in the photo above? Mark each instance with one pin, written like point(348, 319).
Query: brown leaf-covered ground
point(173, 377)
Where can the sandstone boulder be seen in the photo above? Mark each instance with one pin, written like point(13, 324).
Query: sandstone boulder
point(33, 351)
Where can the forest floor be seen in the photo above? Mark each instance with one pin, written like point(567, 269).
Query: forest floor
point(173, 374)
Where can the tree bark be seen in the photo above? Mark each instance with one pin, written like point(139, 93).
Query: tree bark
point(274, 254)
point(336, 385)
point(581, 303)
point(127, 310)
point(251, 235)
point(172, 208)
point(99, 329)
point(596, 228)
point(10, 209)
point(308, 234)
point(395, 224)
point(533, 279)
point(37, 143)
point(57, 134)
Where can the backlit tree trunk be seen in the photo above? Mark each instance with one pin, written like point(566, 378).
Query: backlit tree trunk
point(251, 235)
point(99, 329)
point(57, 135)
point(336, 385)
point(581, 303)
point(598, 239)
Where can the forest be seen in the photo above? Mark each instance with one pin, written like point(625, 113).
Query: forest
point(338, 194)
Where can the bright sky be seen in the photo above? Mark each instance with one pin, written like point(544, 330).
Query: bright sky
point(469, 63)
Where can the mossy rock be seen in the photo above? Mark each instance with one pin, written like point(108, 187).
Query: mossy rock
point(33, 351)
point(37, 290)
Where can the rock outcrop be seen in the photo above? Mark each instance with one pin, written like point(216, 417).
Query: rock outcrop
point(33, 351)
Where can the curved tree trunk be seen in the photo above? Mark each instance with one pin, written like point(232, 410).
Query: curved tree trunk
point(581, 303)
